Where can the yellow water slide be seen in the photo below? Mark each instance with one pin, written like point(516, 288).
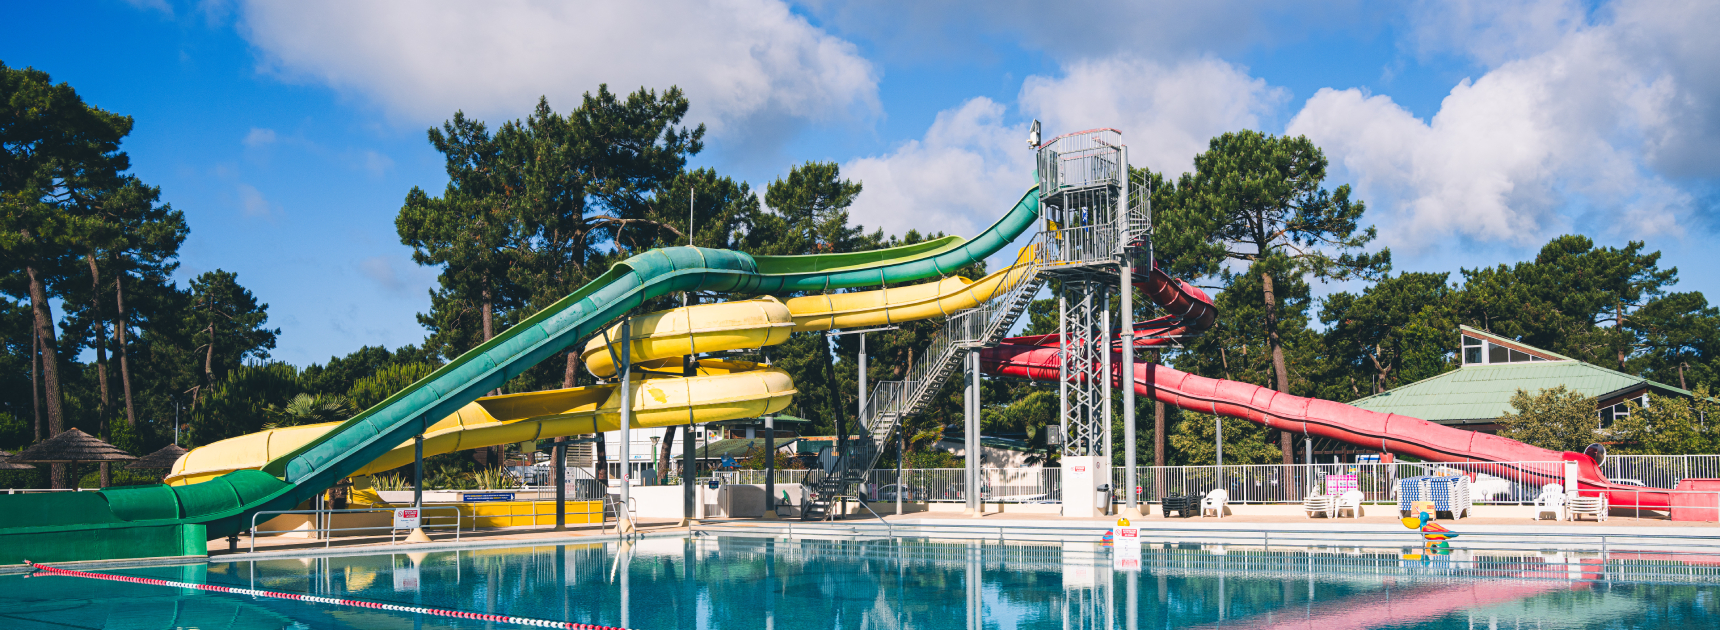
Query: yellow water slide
point(721, 390)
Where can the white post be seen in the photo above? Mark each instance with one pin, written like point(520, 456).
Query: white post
point(970, 456)
point(1105, 371)
point(1218, 443)
point(625, 524)
point(1131, 477)
point(976, 450)
point(862, 398)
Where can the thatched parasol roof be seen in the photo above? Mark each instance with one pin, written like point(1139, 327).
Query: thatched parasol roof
point(72, 446)
point(162, 458)
point(7, 464)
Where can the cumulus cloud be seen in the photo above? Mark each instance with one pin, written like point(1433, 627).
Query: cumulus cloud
point(972, 164)
point(743, 63)
point(1167, 113)
point(1492, 31)
point(1586, 135)
point(969, 167)
point(253, 204)
point(913, 30)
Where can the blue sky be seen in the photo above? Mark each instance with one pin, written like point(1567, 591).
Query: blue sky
point(289, 133)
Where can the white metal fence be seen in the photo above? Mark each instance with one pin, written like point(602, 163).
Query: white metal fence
point(1493, 482)
point(1661, 471)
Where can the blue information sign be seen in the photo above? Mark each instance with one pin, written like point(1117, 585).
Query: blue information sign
point(485, 497)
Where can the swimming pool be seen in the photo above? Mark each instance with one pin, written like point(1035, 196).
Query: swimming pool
point(737, 582)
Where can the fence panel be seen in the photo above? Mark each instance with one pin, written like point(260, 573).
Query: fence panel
point(1660, 471)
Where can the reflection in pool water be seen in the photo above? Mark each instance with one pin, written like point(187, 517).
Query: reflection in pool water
point(734, 582)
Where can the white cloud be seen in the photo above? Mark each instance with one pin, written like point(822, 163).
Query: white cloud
point(380, 269)
point(745, 64)
point(1492, 31)
point(1167, 113)
point(1581, 136)
point(253, 204)
point(971, 165)
point(967, 170)
point(259, 136)
point(918, 31)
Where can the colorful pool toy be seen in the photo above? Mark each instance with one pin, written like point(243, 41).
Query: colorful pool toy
point(1430, 530)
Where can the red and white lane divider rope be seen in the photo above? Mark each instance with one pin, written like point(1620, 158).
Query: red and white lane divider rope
point(526, 621)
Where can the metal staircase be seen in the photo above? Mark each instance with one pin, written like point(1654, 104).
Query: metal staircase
point(891, 401)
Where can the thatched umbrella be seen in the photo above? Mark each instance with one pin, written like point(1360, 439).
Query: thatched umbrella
point(71, 447)
point(162, 459)
point(6, 463)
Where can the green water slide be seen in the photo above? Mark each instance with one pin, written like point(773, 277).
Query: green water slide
point(156, 521)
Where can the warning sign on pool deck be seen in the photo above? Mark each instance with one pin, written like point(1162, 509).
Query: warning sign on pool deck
point(1078, 471)
point(407, 518)
point(1126, 547)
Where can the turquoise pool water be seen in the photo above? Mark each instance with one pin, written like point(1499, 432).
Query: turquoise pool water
point(752, 583)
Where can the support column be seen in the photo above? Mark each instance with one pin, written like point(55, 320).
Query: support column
point(558, 460)
point(689, 476)
point(1104, 350)
point(975, 448)
point(970, 452)
point(769, 469)
point(901, 446)
point(417, 535)
point(623, 518)
point(1131, 477)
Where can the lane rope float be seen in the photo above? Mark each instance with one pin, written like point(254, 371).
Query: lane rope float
point(41, 569)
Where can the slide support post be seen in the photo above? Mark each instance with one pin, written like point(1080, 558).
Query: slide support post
point(622, 516)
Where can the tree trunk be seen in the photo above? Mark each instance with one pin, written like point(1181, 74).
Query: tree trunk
point(50, 361)
point(603, 461)
point(571, 374)
point(120, 323)
point(1280, 373)
point(489, 325)
point(1618, 325)
point(35, 380)
point(1158, 425)
point(663, 456)
point(99, 340)
point(209, 356)
point(488, 316)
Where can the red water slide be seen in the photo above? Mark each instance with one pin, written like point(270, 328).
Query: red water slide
point(1191, 311)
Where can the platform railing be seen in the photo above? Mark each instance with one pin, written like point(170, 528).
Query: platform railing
point(320, 518)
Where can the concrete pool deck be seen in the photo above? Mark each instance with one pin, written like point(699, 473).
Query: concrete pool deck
point(1277, 525)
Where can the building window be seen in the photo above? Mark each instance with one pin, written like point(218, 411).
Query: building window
point(1613, 413)
point(1478, 351)
point(1472, 349)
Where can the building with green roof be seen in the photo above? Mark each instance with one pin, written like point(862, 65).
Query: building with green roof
point(1493, 368)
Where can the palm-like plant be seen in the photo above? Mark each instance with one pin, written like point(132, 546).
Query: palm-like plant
point(306, 409)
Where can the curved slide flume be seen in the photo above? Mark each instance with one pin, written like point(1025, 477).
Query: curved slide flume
point(166, 520)
point(721, 390)
point(1190, 311)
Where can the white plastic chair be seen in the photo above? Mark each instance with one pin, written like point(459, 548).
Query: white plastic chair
point(1317, 503)
point(1551, 501)
point(1218, 501)
point(1578, 505)
point(1352, 501)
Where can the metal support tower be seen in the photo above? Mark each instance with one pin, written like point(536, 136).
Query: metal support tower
point(1093, 233)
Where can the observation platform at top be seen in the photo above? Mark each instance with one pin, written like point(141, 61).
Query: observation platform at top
point(1096, 210)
